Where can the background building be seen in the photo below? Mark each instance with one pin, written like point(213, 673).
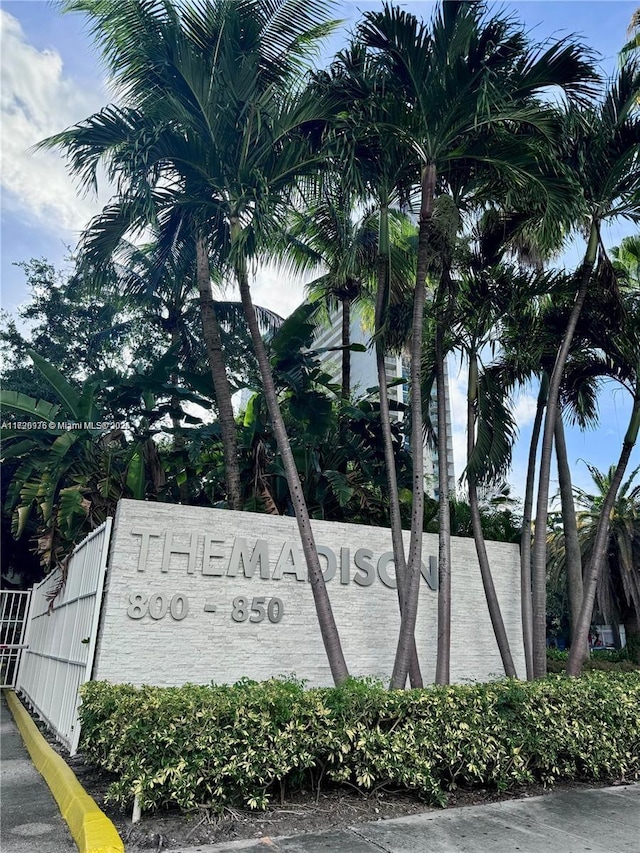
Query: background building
point(364, 376)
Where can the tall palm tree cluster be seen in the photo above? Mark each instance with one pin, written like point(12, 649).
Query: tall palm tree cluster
point(618, 592)
point(433, 166)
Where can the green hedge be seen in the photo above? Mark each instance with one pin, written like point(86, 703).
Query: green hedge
point(605, 660)
point(218, 746)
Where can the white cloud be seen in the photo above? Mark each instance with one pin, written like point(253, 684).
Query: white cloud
point(277, 290)
point(274, 289)
point(524, 410)
point(38, 100)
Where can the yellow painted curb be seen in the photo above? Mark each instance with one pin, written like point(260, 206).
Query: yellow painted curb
point(91, 829)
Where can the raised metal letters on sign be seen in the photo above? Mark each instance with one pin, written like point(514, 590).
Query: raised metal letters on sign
point(210, 556)
point(157, 605)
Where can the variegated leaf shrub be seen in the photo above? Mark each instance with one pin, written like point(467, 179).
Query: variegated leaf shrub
point(241, 744)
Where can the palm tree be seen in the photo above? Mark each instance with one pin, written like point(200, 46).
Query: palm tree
point(530, 339)
point(490, 289)
point(603, 148)
point(504, 306)
point(330, 235)
point(160, 287)
point(624, 351)
point(618, 588)
point(573, 555)
point(372, 160)
point(216, 130)
point(462, 79)
point(633, 45)
point(111, 136)
point(626, 258)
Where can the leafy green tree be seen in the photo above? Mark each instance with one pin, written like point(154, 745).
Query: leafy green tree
point(337, 446)
point(73, 471)
point(626, 259)
point(499, 515)
point(160, 287)
point(59, 301)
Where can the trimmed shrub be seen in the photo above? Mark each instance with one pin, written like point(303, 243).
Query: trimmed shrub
point(224, 745)
point(604, 660)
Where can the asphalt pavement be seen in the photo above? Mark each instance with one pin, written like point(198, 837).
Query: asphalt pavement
point(30, 821)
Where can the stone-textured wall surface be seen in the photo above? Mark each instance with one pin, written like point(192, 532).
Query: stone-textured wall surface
point(190, 598)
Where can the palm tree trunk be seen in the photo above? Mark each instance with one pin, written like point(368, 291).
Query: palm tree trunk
point(593, 570)
point(476, 525)
point(539, 567)
point(153, 465)
point(573, 555)
point(410, 610)
point(525, 539)
point(326, 621)
point(179, 442)
point(397, 542)
point(443, 655)
point(346, 352)
point(211, 334)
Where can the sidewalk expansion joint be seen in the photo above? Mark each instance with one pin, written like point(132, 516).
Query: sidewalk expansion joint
point(369, 840)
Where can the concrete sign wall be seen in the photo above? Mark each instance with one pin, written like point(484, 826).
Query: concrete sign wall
point(199, 595)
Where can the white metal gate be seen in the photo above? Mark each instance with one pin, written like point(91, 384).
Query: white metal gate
point(61, 637)
point(14, 606)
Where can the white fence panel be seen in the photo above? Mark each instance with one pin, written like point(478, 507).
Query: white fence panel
point(14, 607)
point(61, 637)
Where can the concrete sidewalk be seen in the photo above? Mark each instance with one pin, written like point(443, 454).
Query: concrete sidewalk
point(606, 820)
point(30, 819)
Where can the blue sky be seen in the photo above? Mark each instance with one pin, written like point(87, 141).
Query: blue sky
point(51, 78)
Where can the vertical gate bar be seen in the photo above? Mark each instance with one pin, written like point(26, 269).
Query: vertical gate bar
point(4, 596)
point(68, 713)
point(12, 622)
point(11, 618)
point(27, 634)
point(5, 665)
